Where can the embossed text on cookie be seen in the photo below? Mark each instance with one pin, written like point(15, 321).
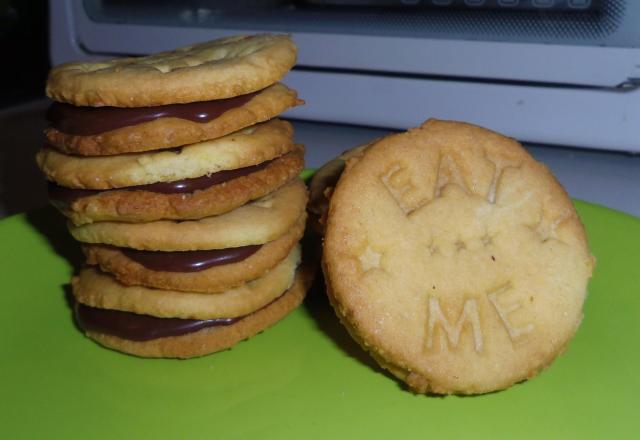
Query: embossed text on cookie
point(399, 183)
point(469, 317)
point(451, 332)
point(504, 310)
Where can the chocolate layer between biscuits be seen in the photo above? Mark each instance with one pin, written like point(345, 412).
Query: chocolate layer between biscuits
point(87, 121)
point(66, 196)
point(189, 261)
point(137, 327)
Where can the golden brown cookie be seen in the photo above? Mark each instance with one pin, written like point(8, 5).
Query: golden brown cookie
point(214, 279)
point(168, 132)
point(323, 182)
point(138, 206)
point(455, 259)
point(213, 339)
point(97, 289)
point(244, 148)
point(258, 222)
point(213, 70)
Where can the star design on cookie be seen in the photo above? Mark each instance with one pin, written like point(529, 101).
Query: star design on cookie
point(369, 259)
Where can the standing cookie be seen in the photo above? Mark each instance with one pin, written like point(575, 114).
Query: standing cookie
point(455, 258)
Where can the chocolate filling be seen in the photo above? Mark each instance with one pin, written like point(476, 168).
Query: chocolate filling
point(67, 196)
point(189, 261)
point(137, 327)
point(88, 121)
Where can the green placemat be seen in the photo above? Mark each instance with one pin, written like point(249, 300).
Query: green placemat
point(304, 378)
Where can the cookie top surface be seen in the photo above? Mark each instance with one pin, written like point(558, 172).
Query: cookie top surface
point(243, 148)
point(258, 222)
point(455, 258)
point(212, 70)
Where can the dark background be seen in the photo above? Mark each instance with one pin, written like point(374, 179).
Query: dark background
point(24, 49)
point(24, 63)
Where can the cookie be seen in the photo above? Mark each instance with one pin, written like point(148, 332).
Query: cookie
point(102, 131)
point(213, 70)
point(203, 341)
point(258, 222)
point(176, 271)
point(97, 289)
point(323, 182)
point(219, 193)
point(244, 148)
point(455, 259)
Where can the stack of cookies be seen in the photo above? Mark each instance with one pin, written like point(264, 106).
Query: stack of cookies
point(183, 190)
point(452, 256)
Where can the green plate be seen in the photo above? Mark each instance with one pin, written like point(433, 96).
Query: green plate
point(303, 378)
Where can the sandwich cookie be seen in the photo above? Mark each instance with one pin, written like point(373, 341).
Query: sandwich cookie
point(184, 199)
point(196, 181)
point(100, 131)
point(247, 147)
point(455, 259)
point(194, 271)
point(97, 289)
point(148, 336)
point(258, 222)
